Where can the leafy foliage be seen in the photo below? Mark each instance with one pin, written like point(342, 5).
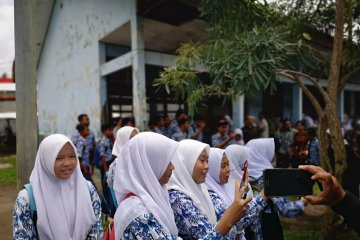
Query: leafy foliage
point(250, 43)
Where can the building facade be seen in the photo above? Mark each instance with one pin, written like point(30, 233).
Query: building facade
point(101, 57)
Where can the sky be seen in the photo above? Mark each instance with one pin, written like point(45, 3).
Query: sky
point(7, 39)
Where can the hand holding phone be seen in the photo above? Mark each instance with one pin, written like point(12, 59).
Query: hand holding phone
point(245, 179)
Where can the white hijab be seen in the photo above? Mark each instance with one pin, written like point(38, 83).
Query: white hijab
point(147, 156)
point(122, 137)
point(64, 207)
point(224, 191)
point(262, 151)
point(189, 150)
point(237, 156)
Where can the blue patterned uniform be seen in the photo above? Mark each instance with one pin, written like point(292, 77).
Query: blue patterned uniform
point(90, 139)
point(216, 139)
point(255, 206)
point(314, 155)
point(23, 225)
point(191, 223)
point(105, 148)
point(83, 151)
point(282, 205)
point(146, 226)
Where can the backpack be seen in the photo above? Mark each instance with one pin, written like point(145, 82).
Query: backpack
point(109, 233)
point(32, 203)
point(108, 199)
point(270, 222)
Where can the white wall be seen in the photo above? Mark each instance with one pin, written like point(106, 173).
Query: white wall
point(68, 71)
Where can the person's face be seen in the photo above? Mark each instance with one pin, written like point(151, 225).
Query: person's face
point(85, 132)
point(222, 129)
point(85, 121)
point(201, 168)
point(287, 125)
point(167, 174)
point(237, 137)
point(300, 127)
point(182, 116)
point(161, 122)
point(65, 162)
point(185, 126)
point(133, 133)
point(108, 133)
point(224, 170)
point(166, 121)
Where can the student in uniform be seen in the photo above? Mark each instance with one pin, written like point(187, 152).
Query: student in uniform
point(123, 135)
point(221, 188)
point(67, 206)
point(261, 155)
point(144, 210)
point(194, 211)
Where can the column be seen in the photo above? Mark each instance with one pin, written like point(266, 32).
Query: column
point(26, 102)
point(297, 103)
point(238, 106)
point(138, 68)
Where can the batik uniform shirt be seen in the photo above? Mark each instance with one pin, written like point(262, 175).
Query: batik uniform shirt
point(83, 151)
point(24, 227)
point(90, 139)
point(146, 226)
point(282, 205)
point(255, 206)
point(105, 148)
point(314, 156)
point(216, 139)
point(191, 223)
point(178, 136)
point(174, 129)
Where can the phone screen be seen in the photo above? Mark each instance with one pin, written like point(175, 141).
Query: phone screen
point(287, 182)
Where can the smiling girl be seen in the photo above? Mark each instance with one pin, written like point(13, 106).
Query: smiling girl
point(67, 206)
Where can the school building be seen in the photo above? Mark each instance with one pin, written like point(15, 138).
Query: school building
point(101, 57)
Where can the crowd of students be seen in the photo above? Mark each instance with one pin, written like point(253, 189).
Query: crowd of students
point(164, 189)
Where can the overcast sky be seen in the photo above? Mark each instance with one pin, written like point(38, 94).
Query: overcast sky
point(7, 42)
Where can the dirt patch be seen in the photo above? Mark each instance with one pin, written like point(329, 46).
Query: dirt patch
point(5, 165)
point(8, 195)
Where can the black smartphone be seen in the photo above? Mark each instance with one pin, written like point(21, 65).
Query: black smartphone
point(287, 182)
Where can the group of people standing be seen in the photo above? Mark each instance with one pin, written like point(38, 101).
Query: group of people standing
point(164, 189)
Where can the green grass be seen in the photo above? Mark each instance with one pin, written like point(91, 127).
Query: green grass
point(8, 175)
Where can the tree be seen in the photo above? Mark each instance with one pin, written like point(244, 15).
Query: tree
point(251, 43)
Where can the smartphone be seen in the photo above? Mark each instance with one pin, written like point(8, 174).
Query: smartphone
point(287, 182)
point(244, 176)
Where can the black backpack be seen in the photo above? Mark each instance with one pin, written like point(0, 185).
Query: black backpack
point(270, 221)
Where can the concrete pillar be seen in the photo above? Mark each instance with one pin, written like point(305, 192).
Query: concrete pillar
point(297, 103)
point(138, 67)
point(102, 85)
point(238, 106)
point(26, 102)
point(340, 105)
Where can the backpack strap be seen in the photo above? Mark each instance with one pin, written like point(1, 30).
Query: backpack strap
point(32, 203)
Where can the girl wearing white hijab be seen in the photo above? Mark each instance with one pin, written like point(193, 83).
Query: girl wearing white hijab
point(221, 189)
point(68, 206)
point(123, 135)
point(194, 212)
point(144, 210)
point(262, 151)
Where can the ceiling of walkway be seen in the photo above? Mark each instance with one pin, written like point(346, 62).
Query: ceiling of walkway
point(167, 24)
